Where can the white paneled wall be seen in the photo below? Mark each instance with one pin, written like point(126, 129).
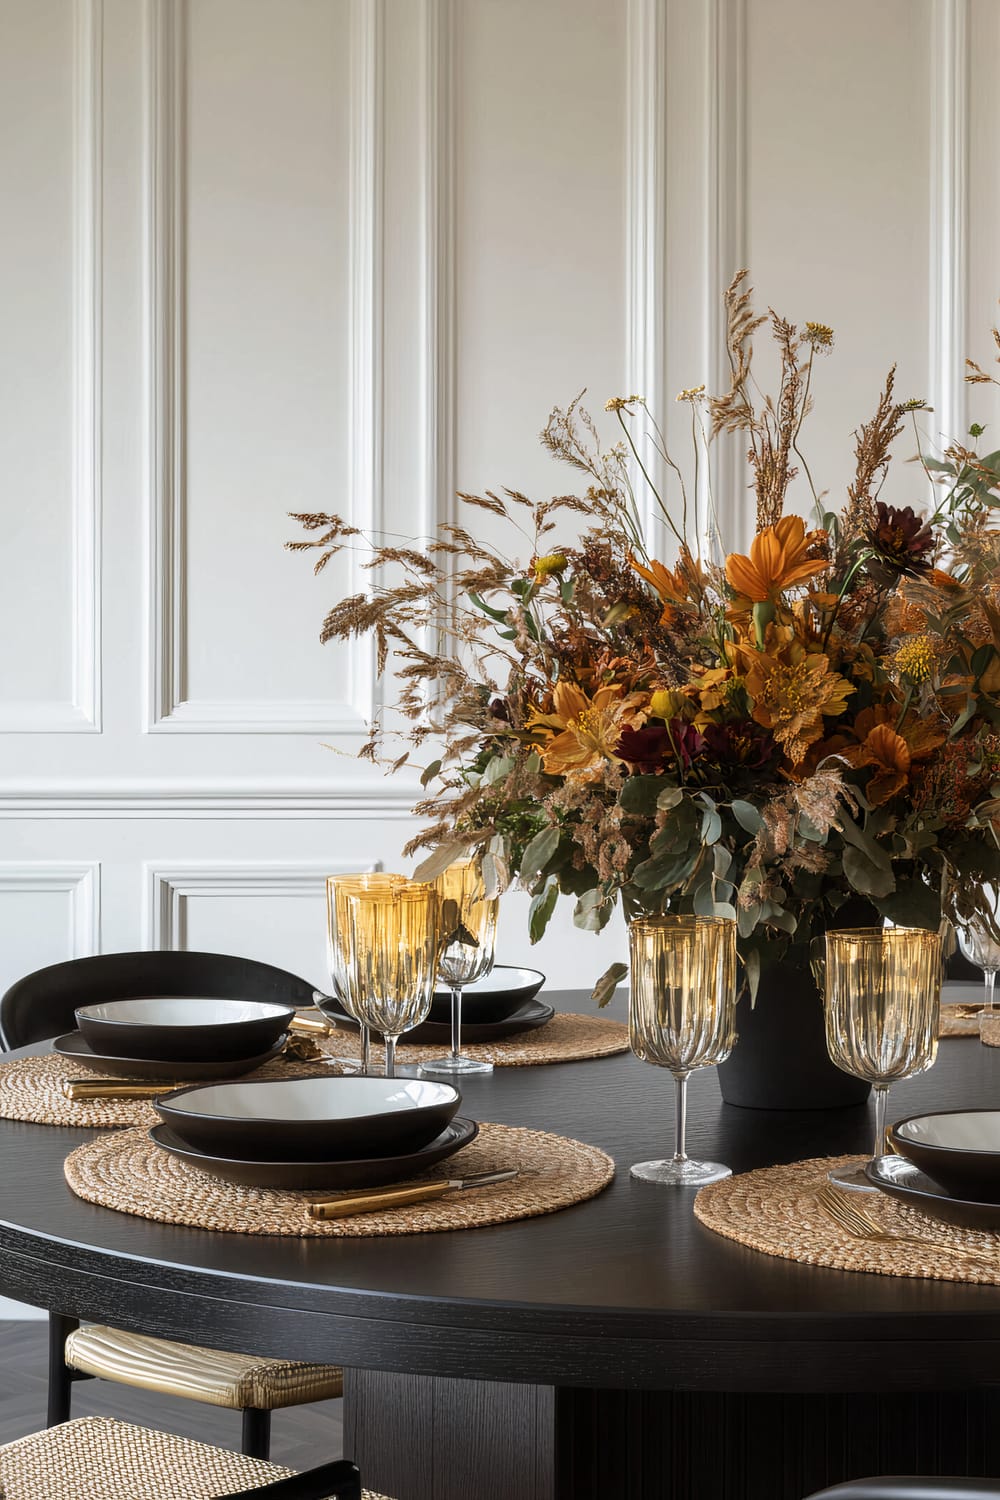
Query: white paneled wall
point(273, 255)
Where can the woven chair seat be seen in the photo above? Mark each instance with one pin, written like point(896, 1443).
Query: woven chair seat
point(100, 1458)
point(209, 1375)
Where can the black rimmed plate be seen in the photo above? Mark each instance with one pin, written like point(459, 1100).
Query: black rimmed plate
point(528, 1017)
point(75, 1047)
point(183, 1028)
point(499, 995)
point(904, 1180)
point(960, 1148)
point(310, 1119)
point(295, 1175)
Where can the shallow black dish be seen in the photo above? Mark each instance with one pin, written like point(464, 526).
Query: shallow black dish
point(183, 1028)
point(903, 1180)
point(310, 1119)
point(528, 1017)
point(503, 991)
point(74, 1046)
point(293, 1175)
point(960, 1148)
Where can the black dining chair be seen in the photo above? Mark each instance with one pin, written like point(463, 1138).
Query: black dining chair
point(41, 1006)
point(892, 1488)
point(97, 1458)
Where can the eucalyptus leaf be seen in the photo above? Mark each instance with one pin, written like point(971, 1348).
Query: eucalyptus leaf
point(640, 793)
point(746, 815)
point(537, 855)
point(868, 879)
point(430, 772)
point(751, 967)
point(608, 983)
point(440, 858)
point(499, 767)
point(865, 844)
point(541, 908)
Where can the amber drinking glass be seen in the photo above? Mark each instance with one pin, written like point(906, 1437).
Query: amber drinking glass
point(387, 939)
point(337, 953)
point(882, 997)
point(682, 1016)
point(468, 935)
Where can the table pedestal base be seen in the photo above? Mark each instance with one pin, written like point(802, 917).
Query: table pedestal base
point(433, 1439)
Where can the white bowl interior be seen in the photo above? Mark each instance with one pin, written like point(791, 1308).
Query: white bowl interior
point(500, 980)
point(976, 1130)
point(181, 1010)
point(314, 1098)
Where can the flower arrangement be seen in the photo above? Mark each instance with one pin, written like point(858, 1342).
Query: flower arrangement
point(769, 736)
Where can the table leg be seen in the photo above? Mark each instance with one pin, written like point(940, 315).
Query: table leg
point(430, 1439)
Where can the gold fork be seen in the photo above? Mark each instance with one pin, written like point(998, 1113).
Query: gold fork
point(849, 1216)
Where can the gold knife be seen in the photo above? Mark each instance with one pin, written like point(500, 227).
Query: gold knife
point(372, 1200)
point(311, 1025)
point(81, 1089)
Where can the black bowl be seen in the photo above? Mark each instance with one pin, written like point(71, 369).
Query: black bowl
point(499, 995)
point(960, 1148)
point(528, 1017)
point(295, 1175)
point(182, 1028)
point(311, 1119)
point(73, 1046)
point(903, 1180)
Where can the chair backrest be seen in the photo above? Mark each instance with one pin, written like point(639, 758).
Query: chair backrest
point(41, 1005)
point(890, 1488)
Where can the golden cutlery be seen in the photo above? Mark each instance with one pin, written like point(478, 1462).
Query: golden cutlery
point(373, 1199)
point(310, 1025)
point(80, 1089)
point(839, 1207)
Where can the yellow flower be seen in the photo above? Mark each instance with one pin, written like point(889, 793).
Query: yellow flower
point(780, 555)
point(792, 690)
point(583, 731)
point(619, 403)
point(916, 659)
point(552, 562)
point(820, 335)
point(691, 394)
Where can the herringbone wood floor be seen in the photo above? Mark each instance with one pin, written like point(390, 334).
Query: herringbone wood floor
point(301, 1435)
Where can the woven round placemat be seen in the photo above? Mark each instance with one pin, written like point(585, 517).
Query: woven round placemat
point(566, 1038)
point(777, 1210)
point(31, 1090)
point(127, 1172)
point(959, 1018)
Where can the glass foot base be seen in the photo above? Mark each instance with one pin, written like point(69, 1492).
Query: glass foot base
point(681, 1173)
point(349, 1066)
point(852, 1176)
point(453, 1067)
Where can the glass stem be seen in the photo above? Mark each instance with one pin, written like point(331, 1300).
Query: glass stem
point(990, 980)
point(680, 1117)
point(881, 1095)
point(390, 1056)
point(456, 1020)
point(366, 1051)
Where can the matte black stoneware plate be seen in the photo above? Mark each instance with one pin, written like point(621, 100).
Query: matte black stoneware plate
point(293, 1175)
point(902, 1179)
point(494, 998)
point(74, 1046)
point(960, 1148)
point(183, 1028)
point(528, 1017)
point(310, 1119)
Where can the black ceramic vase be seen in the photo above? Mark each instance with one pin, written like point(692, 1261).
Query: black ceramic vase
point(780, 1059)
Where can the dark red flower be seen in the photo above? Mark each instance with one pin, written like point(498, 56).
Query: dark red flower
point(901, 538)
point(658, 747)
point(743, 744)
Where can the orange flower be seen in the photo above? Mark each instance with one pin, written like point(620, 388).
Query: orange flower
point(583, 732)
point(780, 555)
point(893, 750)
point(792, 690)
point(674, 587)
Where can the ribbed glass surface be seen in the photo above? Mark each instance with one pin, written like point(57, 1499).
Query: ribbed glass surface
point(385, 944)
point(468, 924)
point(883, 994)
point(338, 948)
point(682, 1006)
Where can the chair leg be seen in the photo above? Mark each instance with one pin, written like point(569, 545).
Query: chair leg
point(256, 1433)
point(60, 1375)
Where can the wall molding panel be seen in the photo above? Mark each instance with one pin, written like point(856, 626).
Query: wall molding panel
point(949, 218)
point(80, 881)
point(167, 889)
point(438, 265)
point(169, 708)
point(388, 799)
point(82, 712)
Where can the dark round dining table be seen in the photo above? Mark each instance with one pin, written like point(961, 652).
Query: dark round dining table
point(617, 1348)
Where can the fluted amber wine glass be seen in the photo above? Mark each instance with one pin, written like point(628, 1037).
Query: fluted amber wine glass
point(682, 1016)
point(882, 994)
point(468, 934)
point(337, 888)
point(388, 937)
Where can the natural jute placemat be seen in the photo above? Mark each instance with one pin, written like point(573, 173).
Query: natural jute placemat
point(777, 1210)
point(31, 1090)
point(959, 1018)
point(566, 1038)
point(127, 1172)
